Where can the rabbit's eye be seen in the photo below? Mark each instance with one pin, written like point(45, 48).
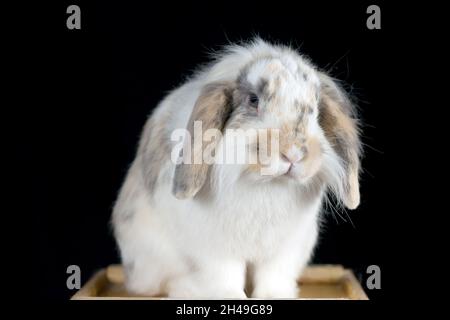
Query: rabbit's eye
point(253, 100)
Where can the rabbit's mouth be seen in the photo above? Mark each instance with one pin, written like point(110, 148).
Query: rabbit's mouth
point(280, 172)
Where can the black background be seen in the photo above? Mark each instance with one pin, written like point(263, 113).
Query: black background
point(96, 86)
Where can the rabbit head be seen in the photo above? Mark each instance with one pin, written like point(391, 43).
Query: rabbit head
point(310, 126)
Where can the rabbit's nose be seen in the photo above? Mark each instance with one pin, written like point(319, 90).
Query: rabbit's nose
point(294, 154)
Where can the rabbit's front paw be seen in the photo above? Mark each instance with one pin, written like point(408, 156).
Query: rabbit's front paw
point(197, 286)
point(206, 293)
point(280, 290)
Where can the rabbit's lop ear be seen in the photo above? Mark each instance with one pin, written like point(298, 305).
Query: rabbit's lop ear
point(337, 117)
point(212, 109)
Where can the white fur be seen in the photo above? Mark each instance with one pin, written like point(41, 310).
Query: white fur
point(205, 247)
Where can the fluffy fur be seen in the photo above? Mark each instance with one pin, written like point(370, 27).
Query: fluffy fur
point(225, 231)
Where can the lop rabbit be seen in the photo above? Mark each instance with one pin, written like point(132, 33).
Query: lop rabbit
point(225, 230)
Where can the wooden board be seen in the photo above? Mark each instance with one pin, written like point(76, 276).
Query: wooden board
point(316, 282)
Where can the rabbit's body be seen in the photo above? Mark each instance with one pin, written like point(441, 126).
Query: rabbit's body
point(201, 248)
point(229, 230)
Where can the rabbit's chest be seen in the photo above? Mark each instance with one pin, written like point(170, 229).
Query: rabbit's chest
point(263, 224)
point(249, 224)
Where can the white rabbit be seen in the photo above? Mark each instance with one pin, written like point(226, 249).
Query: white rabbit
point(225, 230)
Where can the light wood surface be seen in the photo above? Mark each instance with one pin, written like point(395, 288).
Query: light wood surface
point(316, 282)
